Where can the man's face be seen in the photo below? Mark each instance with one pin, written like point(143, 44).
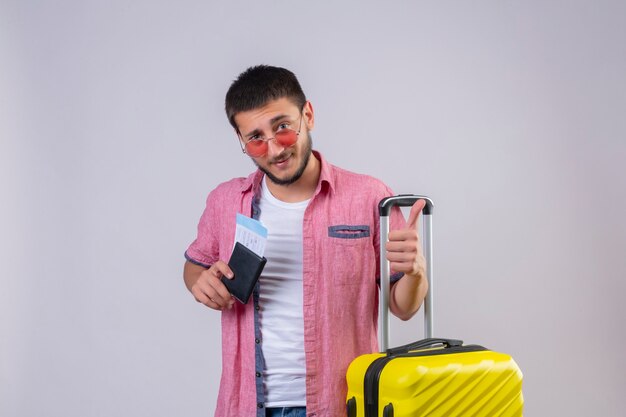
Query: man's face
point(282, 164)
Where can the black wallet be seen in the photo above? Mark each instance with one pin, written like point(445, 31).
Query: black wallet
point(247, 267)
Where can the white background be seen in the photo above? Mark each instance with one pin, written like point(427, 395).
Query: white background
point(509, 114)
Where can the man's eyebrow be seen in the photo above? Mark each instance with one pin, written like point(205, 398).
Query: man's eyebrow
point(273, 120)
point(279, 117)
point(253, 133)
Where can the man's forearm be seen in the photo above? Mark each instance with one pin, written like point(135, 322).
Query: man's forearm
point(407, 295)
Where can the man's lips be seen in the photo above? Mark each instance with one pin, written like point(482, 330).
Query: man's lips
point(280, 160)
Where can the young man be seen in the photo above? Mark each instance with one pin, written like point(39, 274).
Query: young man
point(315, 307)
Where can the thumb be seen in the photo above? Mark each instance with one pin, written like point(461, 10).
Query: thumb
point(416, 209)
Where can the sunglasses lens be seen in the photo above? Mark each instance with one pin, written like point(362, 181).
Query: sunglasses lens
point(286, 137)
point(256, 148)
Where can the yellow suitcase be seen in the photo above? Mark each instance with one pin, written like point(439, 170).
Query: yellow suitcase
point(435, 378)
point(431, 377)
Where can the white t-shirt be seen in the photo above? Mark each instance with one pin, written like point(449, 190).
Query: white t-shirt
point(280, 299)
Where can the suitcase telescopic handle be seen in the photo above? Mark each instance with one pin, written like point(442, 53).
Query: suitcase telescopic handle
point(384, 209)
point(404, 200)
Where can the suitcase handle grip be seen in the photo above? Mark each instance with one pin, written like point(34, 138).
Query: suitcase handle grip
point(404, 200)
point(423, 344)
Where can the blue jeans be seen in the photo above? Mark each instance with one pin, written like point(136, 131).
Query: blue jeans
point(286, 412)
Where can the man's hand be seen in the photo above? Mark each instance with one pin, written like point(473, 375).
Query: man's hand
point(404, 250)
point(404, 253)
point(206, 285)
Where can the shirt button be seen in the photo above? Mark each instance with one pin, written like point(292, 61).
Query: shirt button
point(258, 374)
point(257, 307)
point(260, 405)
point(257, 341)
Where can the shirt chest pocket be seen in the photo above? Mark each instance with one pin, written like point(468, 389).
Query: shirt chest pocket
point(349, 249)
point(349, 232)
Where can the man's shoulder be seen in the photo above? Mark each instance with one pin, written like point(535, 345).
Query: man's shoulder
point(232, 188)
point(346, 179)
point(237, 183)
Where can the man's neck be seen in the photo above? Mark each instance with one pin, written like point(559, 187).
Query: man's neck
point(301, 190)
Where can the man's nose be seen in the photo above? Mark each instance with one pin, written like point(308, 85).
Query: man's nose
point(273, 147)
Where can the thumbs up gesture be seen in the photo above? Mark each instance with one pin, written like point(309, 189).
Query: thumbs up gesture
point(404, 250)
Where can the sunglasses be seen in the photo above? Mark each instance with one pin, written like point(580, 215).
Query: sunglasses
point(257, 146)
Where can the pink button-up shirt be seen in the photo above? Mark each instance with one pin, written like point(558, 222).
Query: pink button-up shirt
point(340, 267)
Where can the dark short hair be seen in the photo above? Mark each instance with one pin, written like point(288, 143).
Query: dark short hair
point(257, 86)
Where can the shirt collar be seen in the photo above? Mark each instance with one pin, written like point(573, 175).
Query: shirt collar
point(326, 174)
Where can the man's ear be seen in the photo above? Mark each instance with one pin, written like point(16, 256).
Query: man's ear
point(309, 115)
